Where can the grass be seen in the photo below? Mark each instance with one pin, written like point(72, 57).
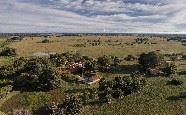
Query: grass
point(156, 98)
point(5, 60)
point(29, 46)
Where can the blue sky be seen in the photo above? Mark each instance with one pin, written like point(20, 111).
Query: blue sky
point(117, 16)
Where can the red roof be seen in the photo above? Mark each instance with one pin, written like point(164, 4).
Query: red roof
point(93, 77)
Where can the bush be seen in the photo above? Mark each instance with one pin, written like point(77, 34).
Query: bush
point(8, 52)
point(130, 58)
point(169, 69)
point(53, 109)
point(45, 41)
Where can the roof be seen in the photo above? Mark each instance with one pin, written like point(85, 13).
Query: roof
point(155, 71)
point(92, 78)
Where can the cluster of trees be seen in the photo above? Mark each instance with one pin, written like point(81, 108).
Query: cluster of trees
point(119, 87)
point(70, 106)
point(141, 40)
point(107, 63)
point(79, 45)
point(116, 88)
point(32, 73)
point(155, 60)
point(94, 42)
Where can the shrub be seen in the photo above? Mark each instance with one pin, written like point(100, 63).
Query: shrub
point(169, 69)
point(53, 109)
point(8, 52)
point(45, 41)
point(130, 58)
point(79, 45)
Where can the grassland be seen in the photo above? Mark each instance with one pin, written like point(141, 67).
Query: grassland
point(157, 98)
point(28, 46)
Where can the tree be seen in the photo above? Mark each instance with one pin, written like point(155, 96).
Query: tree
point(90, 65)
point(8, 52)
point(169, 69)
point(150, 60)
point(104, 63)
point(117, 93)
point(58, 59)
point(116, 61)
point(71, 105)
point(105, 91)
point(36, 74)
point(105, 60)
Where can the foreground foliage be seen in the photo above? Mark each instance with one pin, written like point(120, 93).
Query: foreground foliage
point(70, 106)
point(32, 74)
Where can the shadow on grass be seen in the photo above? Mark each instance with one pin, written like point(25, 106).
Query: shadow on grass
point(182, 73)
point(125, 69)
point(41, 111)
point(4, 84)
point(178, 97)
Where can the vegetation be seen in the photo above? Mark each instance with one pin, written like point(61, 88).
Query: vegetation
point(170, 69)
point(175, 82)
point(33, 73)
point(70, 106)
point(119, 87)
point(120, 90)
point(150, 60)
point(8, 52)
point(45, 41)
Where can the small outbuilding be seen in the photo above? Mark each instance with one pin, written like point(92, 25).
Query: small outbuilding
point(92, 78)
point(155, 71)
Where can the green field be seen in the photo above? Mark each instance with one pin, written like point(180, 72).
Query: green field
point(156, 98)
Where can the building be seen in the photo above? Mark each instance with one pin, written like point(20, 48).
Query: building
point(155, 71)
point(92, 78)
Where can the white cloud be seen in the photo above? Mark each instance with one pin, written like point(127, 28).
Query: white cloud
point(91, 16)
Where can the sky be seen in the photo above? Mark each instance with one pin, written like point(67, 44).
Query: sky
point(93, 16)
